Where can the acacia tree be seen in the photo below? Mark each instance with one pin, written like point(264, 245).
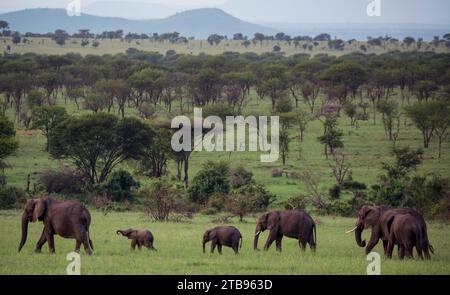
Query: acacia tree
point(8, 144)
point(442, 123)
point(423, 116)
point(46, 118)
point(332, 137)
point(97, 143)
point(156, 155)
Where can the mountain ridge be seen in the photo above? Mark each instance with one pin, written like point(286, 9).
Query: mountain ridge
point(199, 23)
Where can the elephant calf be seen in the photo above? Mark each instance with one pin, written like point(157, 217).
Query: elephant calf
point(223, 236)
point(408, 233)
point(138, 238)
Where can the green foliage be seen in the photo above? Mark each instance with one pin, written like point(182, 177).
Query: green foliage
point(103, 139)
point(62, 181)
point(162, 200)
point(155, 156)
point(239, 177)
point(120, 186)
point(249, 198)
point(46, 118)
point(8, 143)
point(213, 178)
point(12, 197)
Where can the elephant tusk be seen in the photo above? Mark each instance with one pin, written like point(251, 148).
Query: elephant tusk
point(352, 230)
point(258, 233)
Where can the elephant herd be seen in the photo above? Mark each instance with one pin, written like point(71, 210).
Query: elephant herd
point(405, 228)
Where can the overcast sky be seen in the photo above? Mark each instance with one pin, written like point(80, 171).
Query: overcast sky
point(295, 11)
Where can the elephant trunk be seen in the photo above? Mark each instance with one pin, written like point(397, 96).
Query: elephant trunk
point(255, 241)
point(119, 232)
point(358, 233)
point(204, 243)
point(25, 221)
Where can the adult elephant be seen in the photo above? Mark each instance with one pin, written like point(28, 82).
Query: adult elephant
point(379, 219)
point(295, 224)
point(68, 219)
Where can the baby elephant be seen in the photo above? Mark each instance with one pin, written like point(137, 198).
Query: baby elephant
point(223, 236)
point(138, 238)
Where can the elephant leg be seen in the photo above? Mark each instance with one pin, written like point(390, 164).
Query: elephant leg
point(272, 237)
point(373, 241)
point(409, 251)
point(401, 251)
point(302, 245)
point(213, 246)
point(389, 249)
point(133, 245)
point(236, 248)
point(139, 246)
point(87, 247)
point(77, 246)
point(278, 242)
point(51, 242)
point(219, 248)
point(41, 242)
point(385, 247)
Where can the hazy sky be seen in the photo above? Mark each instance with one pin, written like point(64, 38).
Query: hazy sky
point(295, 11)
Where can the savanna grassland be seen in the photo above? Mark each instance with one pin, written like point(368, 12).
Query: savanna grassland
point(366, 146)
point(113, 46)
point(180, 250)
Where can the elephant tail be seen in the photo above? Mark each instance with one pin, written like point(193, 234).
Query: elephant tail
point(90, 241)
point(240, 247)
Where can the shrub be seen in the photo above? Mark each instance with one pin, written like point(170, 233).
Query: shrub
point(217, 202)
point(249, 199)
point(240, 177)
point(213, 178)
point(161, 201)
point(277, 173)
point(121, 185)
point(62, 181)
point(12, 197)
point(335, 192)
point(297, 202)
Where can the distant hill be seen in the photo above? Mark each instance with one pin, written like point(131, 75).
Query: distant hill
point(199, 23)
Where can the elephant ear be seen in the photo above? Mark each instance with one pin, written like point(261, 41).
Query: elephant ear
point(39, 209)
point(212, 234)
point(389, 224)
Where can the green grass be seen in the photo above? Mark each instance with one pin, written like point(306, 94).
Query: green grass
point(179, 250)
point(366, 147)
point(48, 46)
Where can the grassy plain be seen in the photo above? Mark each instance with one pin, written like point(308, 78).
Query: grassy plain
point(179, 250)
point(195, 47)
point(179, 244)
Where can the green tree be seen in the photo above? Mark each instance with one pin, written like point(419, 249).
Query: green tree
point(8, 144)
point(423, 115)
point(97, 143)
point(46, 118)
point(213, 178)
point(156, 155)
point(332, 137)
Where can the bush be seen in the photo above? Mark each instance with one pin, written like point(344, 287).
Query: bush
point(12, 197)
point(335, 192)
point(249, 199)
point(240, 177)
point(120, 186)
point(213, 178)
point(298, 202)
point(277, 173)
point(217, 202)
point(161, 201)
point(62, 181)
